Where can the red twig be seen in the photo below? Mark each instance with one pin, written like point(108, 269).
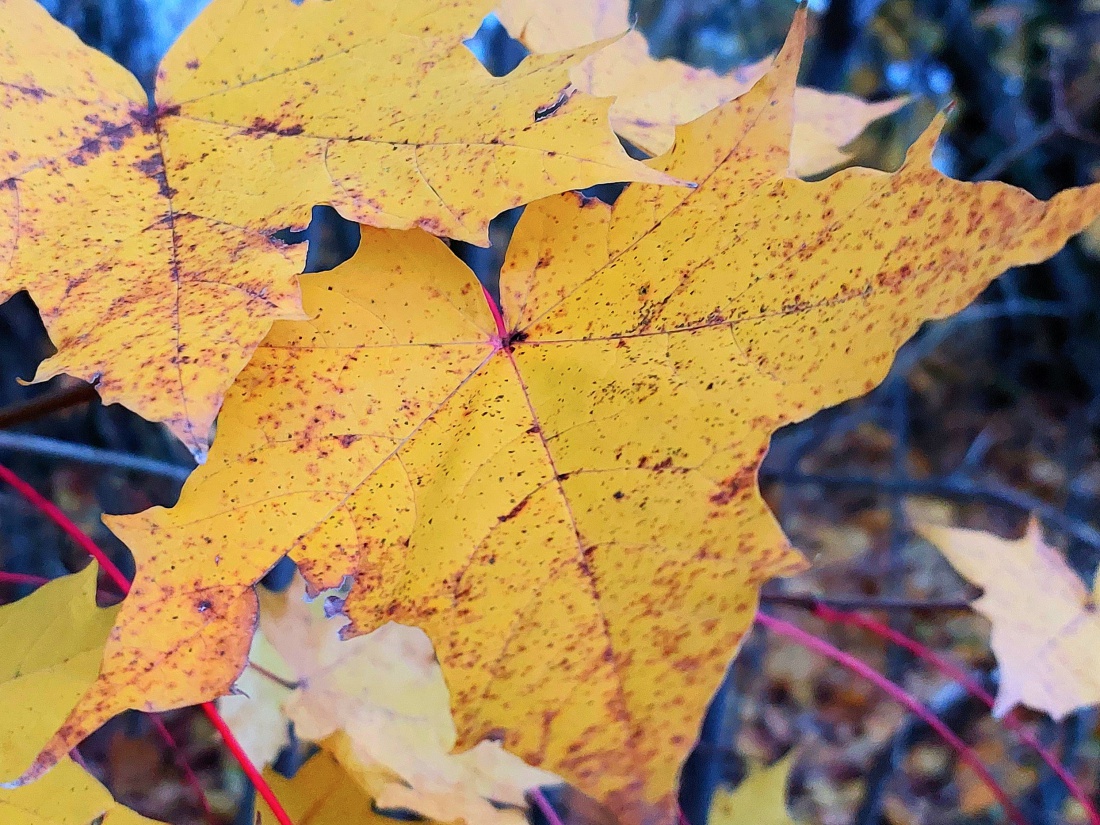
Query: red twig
point(541, 802)
point(971, 686)
point(902, 697)
point(54, 514)
point(251, 771)
point(22, 578)
point(182, 764)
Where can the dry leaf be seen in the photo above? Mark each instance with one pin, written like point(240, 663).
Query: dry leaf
point(379, 703)
point(67, 795)
point(653, 97)
point(545, 26)
point(760, 799)
point(1046, 629)
point(254, 711)
point(51, 645)
point(567, 503)
point(145, 236)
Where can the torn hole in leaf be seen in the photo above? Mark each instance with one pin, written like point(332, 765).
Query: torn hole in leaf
point(495, 49)
point(332, 239)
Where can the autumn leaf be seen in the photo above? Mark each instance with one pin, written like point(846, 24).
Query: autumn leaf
point(563, 497)
point(67, 795)
point(1045, 627)
point(321, 793)
point(760, 799)
point(653, 96)
point(254, 711)
point(145, 236)
point(378, 703)
point(546, 26)
point(51, 646)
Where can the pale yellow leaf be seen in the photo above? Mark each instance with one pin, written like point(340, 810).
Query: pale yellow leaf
point(1045, 624)
point(760, 799)
point(652, 97)
point(320, 793)
point(51, 646)
point(379, 704)
point(67, 795)
point(254, 711)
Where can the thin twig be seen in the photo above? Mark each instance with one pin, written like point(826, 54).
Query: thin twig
point(971, 686)
point(107, 597)
point(274, 677)
point(54, 514)
point(22, 578)
point(1013, 153)
point(249, 768)
point(543, 804)
point(954, 487)
point(811, 602)
point(45, 404)
point(181, 763)
point(83, 454)
point(902, 697)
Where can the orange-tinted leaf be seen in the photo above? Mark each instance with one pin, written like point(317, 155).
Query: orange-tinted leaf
point(1046, 628)
point(567, 504)
point(655, 96)
point(145, 237)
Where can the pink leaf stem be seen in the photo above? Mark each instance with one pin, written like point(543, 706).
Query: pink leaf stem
point(542, 803)
point(902, 697)
point(957, 674)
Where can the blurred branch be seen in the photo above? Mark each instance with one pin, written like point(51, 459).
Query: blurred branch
point(951, 487)
point(45, 404)
point(83, 454)
point(811, 602)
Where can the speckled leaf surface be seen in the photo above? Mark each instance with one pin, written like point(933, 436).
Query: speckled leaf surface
point(67, 795)
point(1045, 626)
point(51, 646)
point(564, 498)
point(653, 97)
point(145, 236)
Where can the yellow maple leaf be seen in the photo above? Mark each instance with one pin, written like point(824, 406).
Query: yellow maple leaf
point(379, 703)
point(145, 236)
point(51, 646)
point(320, 793)
point(564, 498)
point(1045, 626)
point(67, 795)
point(655, 96)
point(760, 799)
